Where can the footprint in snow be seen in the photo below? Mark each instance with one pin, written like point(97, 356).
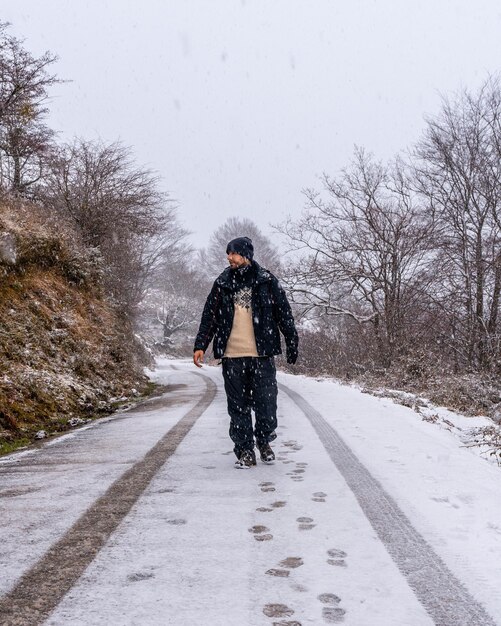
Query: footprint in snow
point(337, 557)
point(278, 573)
point(260, 533)
point(134, 578)
point(319, 496)
point(291, 562)
point(445, 500)
point(494, 527)
point(329, 598)
point(293, 445)
point(279, 504)
point(257, 529)
point(267, 486)
point(277, 610)
point(305, 523)
point(274, 505)
point(266, 537)
point(332, 613)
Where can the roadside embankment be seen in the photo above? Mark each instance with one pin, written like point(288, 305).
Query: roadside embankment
point(66, 352)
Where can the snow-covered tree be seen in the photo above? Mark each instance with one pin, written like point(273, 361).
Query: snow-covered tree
point(213, 258)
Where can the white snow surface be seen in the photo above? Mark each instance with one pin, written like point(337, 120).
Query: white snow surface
point(188, 553)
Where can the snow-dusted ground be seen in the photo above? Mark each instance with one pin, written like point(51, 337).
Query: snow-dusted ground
point(282, 544)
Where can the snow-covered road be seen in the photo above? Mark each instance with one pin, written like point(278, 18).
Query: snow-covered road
point(369, 517)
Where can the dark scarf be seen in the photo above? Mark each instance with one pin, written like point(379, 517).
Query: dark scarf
point(243, 277)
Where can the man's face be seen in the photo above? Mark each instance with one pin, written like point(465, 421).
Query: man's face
point(237, 260)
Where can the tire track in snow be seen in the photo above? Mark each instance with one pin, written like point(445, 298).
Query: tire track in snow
point(40, 590)
point(444, 597)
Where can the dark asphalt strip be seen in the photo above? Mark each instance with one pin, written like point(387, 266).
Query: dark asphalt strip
point(444, 597)
point(40, 590)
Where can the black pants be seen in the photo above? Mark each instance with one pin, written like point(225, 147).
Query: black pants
point(251, 383)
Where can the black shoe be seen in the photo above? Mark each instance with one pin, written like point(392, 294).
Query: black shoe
point(246, 460)
point(267, 454)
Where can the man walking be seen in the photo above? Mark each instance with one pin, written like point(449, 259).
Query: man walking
point(244, 314)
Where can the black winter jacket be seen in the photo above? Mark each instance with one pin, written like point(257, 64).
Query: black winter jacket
point(271, 313)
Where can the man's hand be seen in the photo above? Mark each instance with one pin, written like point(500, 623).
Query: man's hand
point(198, 357)
point(291, 354)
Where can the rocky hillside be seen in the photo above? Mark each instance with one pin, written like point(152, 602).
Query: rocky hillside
point(66, 353)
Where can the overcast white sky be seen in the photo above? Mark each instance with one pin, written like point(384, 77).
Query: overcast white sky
point(239, 104)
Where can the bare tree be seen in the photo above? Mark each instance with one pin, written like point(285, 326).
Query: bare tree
point(458, 171)
point(213, 258)
point(364, 250)
point(25, 139)
point(99, 187)
point(118, 209)
point(175, 297)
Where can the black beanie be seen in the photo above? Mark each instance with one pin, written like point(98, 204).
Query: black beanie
point(242, 246)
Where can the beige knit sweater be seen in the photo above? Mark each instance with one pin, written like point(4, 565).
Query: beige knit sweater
point(242, 341)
